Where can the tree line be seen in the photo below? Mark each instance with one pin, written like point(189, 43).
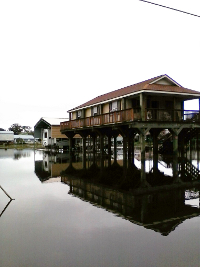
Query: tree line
point(18, 129)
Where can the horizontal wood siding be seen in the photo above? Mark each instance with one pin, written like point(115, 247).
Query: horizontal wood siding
point(55, 132)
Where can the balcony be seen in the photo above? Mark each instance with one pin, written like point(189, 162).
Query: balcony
point(130, 115)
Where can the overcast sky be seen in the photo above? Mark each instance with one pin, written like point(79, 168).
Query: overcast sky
point(56, 55)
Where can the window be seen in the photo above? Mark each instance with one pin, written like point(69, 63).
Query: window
point(115, 105)
point(78, 114)
point(45, 135)
point(95, 110)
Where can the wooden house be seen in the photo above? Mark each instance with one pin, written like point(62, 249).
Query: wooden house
point(149, 106)
point(159, 99)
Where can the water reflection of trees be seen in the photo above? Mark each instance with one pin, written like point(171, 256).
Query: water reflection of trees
point(21, 154)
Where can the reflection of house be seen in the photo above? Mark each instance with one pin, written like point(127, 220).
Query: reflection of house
point(161, 211)
point(25, 138)
point(48, 131)
point(51, 166)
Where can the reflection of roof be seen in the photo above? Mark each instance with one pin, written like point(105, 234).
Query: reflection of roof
point(49, 121)
point(151, 85)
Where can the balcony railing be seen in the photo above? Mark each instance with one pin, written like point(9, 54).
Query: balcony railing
point(128, 115)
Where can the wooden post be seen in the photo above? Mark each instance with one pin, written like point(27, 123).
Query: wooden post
point(155, 151)
point(115, 149)
point(175, 156)
point(143, 174)
point(94, 151)
point(101, 151)
point(109, 151)
point(125, 153)
point(84, 152)
point(6, 193)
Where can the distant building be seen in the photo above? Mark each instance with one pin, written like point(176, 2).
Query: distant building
point(47, 130)
point(6, 136)
point(26, 138)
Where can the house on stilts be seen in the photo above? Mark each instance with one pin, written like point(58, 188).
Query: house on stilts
point(146, 107)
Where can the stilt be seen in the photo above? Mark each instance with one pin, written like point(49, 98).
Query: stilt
point(101, 151)
point(155, 150)
point(84, 152)
point(175, 156)
point(115, 149)
point(125, 153)
point(94, 148)
point(109, 151)
point(143, 174)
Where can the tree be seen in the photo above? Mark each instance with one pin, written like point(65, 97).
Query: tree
point(16, 128)
point(27, 130)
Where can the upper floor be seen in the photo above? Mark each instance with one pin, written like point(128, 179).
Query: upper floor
point(160, 99)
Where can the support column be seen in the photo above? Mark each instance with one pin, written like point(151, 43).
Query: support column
point(101, 151)
point(131, 149)
point(130, 142)
point(115, 149)
point(175, 156)
point(182, 156)
point(109, 151)
point(155, 150)
point(84, 152)
point(143, 173)
point(70, 149)
point(93, 149)
point(125, 153)
point(142, 106)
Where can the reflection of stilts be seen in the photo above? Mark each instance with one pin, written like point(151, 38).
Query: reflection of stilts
point(6, 193)
point(5, 207)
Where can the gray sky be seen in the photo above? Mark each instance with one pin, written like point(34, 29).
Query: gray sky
point(56, 55)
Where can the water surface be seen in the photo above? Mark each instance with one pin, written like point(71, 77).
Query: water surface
point(46, 225)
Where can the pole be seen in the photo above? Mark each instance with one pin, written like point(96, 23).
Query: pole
point(6, 193)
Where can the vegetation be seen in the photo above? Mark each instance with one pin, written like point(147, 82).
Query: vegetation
point(18, 129)
point(20, 145)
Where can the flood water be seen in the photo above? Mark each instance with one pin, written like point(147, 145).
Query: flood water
point(54, 222)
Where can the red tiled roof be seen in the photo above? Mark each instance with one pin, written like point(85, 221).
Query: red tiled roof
point(145, 85)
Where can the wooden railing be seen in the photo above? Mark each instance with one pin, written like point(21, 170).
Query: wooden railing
point(176, 115)
point(128, 115)
point(103, 119)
